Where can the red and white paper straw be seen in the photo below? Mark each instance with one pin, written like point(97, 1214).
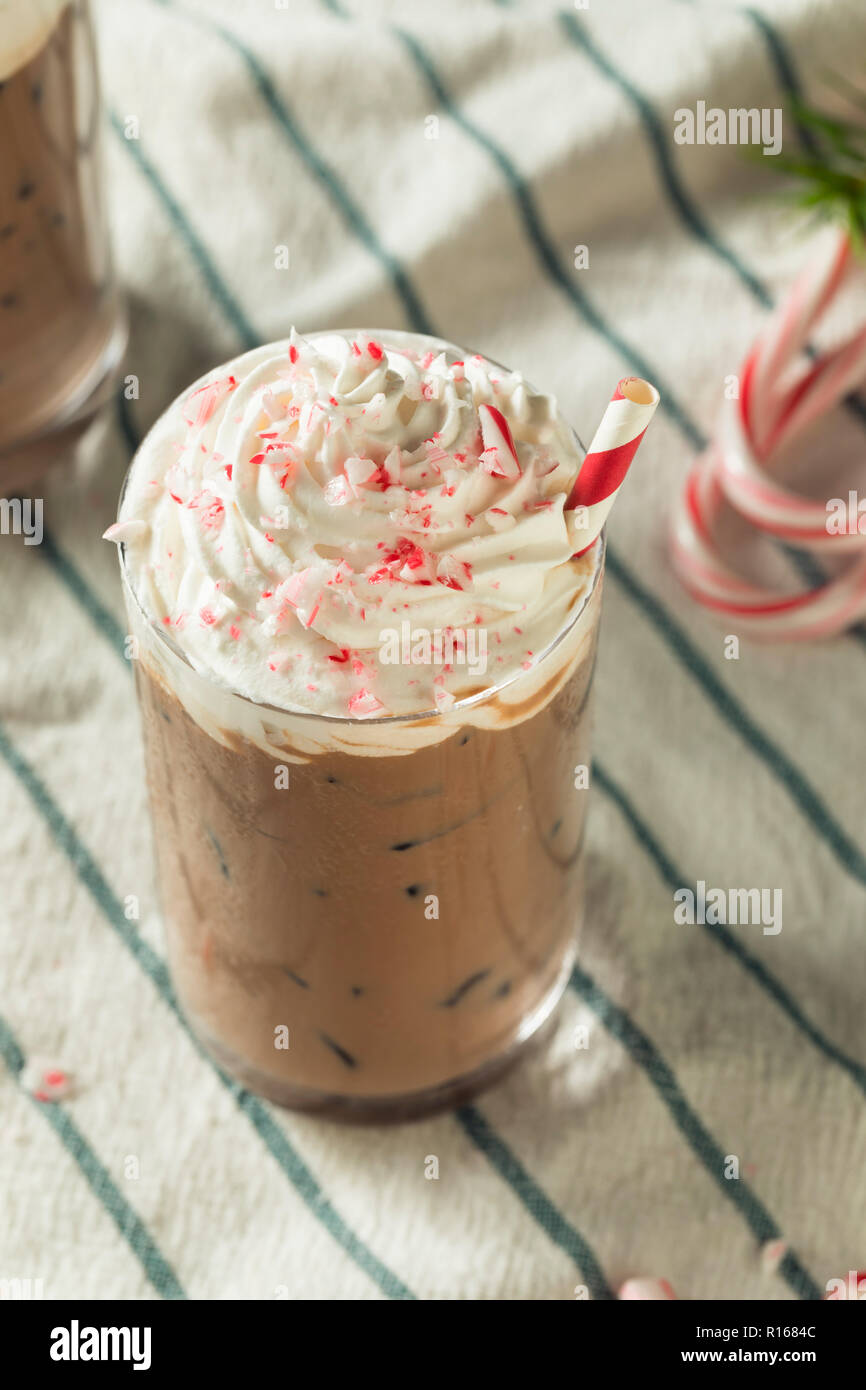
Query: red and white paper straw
point(782, 392)
point(613, 447)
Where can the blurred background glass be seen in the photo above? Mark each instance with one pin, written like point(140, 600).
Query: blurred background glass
point(61, 323)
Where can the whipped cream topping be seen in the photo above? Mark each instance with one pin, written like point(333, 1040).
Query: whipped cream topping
point(359, 525)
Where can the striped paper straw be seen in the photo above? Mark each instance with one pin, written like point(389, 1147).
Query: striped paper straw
point(613, 447)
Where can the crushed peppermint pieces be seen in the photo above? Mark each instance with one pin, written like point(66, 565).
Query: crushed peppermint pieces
point(46, 1081)
point(363, 704)
point(201, 404)
point(423, 511)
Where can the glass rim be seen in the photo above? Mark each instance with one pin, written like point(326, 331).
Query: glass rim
point(420, 716)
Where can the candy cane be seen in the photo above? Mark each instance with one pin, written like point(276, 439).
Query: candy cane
point(776, 404)
point(787, 331)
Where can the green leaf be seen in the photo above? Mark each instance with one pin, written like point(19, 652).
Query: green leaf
point(830, 182)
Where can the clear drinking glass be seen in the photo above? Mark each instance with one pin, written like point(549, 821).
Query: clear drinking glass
point(369, 919)
point(355, 928)
point(62, 327)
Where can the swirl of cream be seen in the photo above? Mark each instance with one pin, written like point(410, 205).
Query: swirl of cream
point(304, 515)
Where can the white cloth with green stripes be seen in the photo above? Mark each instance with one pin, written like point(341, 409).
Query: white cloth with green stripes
point(437, 166)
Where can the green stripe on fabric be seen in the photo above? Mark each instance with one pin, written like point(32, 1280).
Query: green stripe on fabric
point(646, 1055)
point(307, 1186)
point(809, 801)
point(659, 142)
point(674, 878)
point(289, 1160)
point(786, 75)
point(103, 620)
point(536, 1202)
point(545, 248)
point(227, 302)
point(318, 167)
point(126, 424)
point(98, 1179)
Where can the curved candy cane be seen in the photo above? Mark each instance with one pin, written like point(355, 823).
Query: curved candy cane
point(776, 404)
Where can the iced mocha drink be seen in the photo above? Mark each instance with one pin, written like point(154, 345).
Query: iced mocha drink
point(364, 657)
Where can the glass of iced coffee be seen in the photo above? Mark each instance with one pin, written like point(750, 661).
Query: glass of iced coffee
point(62, 329)
point(364, 651)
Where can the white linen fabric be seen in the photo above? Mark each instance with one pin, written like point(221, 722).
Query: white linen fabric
point(434, 166)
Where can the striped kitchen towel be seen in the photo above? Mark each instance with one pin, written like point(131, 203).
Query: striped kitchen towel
point(440, 166)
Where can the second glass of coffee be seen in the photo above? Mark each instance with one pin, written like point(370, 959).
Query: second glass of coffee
point(62, 327)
